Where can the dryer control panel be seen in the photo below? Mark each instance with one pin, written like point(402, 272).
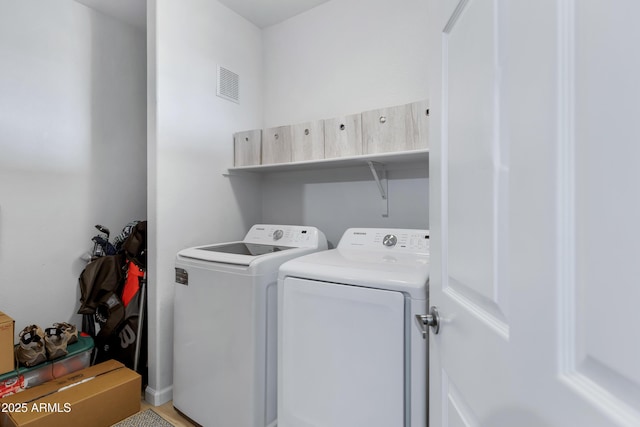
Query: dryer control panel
point(381, 239)
point(294, 236)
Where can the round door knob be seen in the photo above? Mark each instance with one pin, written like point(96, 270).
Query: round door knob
point(390, 240)
point(277, 235)
point(431, 320)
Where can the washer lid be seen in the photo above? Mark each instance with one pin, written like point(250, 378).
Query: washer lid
point(239, 253)
point(402, 272)
point(244, 248)
point(264, 244)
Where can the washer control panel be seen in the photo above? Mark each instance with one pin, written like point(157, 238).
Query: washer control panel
point(295, 236)
point(394, 240)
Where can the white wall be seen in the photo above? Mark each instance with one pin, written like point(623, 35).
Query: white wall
point(72, 148)
point(345, 57)
point(336, 199)
point(190, 145)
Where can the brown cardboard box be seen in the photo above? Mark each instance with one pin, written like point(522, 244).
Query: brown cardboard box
point(6, 343)
point(99, 395)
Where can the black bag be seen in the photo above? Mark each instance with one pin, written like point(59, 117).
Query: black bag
point(101, 288)
point(117, 339)
point(135, 247)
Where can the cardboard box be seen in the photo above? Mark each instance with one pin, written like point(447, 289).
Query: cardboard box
point(99, 395)
point(6, 343)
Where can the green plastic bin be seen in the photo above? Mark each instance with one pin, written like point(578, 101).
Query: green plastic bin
point(79, 357)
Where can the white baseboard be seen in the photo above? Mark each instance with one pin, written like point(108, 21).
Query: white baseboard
point(158, 397)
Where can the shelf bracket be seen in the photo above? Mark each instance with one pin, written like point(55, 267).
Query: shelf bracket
point(374, 172)
point(381, 181)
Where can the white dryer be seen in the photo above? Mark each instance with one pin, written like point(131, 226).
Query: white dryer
point(225, 318)
point(350, 350)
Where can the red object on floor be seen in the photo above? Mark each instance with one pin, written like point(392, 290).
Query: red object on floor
point(132, 284)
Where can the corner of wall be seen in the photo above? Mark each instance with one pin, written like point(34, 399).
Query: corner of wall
point(158, 397)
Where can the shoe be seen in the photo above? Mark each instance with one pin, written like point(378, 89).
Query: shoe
point(69, 330)
point(58, 338)
point(30, 351)
point(56, 342)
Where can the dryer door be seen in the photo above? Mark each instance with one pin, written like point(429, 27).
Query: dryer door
point(342, 357)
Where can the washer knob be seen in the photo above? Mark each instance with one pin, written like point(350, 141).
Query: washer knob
point(277, 235)
point(389, 240)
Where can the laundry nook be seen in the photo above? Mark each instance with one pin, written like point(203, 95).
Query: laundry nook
point(319, 213)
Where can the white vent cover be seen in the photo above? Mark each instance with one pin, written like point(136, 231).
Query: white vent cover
point(228, 85)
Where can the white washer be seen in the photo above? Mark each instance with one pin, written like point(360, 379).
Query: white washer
point(225, 347)
point(350, 350)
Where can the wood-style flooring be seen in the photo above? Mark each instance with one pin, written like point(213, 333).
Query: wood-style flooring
point(168, 413)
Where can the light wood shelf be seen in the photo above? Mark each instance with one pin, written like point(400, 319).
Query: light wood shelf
point(415, 156)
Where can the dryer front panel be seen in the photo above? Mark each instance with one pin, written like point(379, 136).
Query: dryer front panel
point(341, 356)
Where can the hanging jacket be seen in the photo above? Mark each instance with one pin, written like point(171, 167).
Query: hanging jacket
point(100, 278)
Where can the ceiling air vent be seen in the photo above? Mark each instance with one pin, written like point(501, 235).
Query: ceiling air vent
point(228, 85)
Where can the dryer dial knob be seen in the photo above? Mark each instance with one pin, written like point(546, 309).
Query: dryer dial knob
point(277, 235)
point(389, 240)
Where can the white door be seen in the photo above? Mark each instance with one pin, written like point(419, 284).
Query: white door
point(535, 213)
